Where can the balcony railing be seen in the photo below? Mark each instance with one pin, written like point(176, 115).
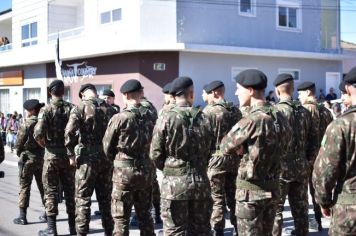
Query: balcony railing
point(71, 33)
point(5, 47)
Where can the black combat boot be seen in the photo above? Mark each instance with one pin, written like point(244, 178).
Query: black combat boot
point(108, 233)
point(71, 223)
point(43, 217)
point(218, 232)
point(81, 234)
point(21, 220)
point(235, 233)
point(157, 217)
point(51, 229)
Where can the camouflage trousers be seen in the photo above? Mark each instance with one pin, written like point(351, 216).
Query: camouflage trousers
point(297, 193)
point(92, 175)
point(32, 168)
point(343, 220)
point(156, 193)
point(121, 205)
point(223, 189)
point(55, 170)
point(316, 207)
point(186, 217)
point(256, 217)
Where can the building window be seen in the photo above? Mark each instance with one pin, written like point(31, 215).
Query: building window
point(31, 93)
point(5, 101)
point(29, 34)
point(289, 15)
point(294, 72)
point(247, 7)
point(110, 16)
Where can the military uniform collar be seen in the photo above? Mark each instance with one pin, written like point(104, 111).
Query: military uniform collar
point(53, 100)
point(183, 104)
point(311, 100)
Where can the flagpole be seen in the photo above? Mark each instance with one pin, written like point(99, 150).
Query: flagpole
point(57, 61)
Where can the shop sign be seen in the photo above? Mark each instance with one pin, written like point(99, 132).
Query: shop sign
point(11, 78)
point(77, 72)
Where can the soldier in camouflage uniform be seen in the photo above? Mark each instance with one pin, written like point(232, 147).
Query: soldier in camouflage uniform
point(261, 138)
point(295, 166)
point(49, 133)
point(334, 175)
point(126, 141)
point(169, 101)
point(222, 170)
point(109, 98)
point(94, 170)
point(31, 159)
point(320, 118)
point(180, 148)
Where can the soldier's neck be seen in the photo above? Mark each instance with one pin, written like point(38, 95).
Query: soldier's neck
point(132, 103)
point(284, 97)
point(256, 101)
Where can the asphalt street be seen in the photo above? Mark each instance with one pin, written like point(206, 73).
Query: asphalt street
point(9, 210)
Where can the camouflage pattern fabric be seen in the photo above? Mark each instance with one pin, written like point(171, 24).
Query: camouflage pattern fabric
point(127, 141)
point(181, 147)
point(94, 170)
point(222, 170)
point(320, 120)
point(262, 137)
point(49, 131)
point(295, 167)
point(334, 174)
point(2, 151)
point(31, 161)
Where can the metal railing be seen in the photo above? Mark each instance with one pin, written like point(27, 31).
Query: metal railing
point(6, 47)
point(70, 33)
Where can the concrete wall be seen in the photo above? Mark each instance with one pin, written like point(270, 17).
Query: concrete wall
point(348, 64)
point(34, 77)
point(204, 68)
point(219, 22)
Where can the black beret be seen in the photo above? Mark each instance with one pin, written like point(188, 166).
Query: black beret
point(282, 78)
point(305, 86)
point(131, 85)
point(55, 84)
point(108, 92)
point(342, 86)
point(350, 78)
point(85, 87)
point(252, 78)
point(32, 104)
point(167, 88)
point(213, 85)
point(205, 87)
point(179, 84)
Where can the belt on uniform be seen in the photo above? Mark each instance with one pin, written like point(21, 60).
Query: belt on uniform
point(257, 185)
point(128, 163)
point(179, 171)
point(346, 199)
point(57, 150)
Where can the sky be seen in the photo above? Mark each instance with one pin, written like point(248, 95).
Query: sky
point(348, 18)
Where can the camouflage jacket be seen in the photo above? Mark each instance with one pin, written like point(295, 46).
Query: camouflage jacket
point(86, 127)
point(222, 117)
point(295, 165)
point(52, 121)
point(116, 108)
point(166, 107)
point(180, 147)
point(335, 165)
point(25, 140)
point(127, 140)
point(2, 151)
point(150, 112)
point(262, 137)
point(312, 107)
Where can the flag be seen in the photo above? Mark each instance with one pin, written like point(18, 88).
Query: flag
point(58, 62)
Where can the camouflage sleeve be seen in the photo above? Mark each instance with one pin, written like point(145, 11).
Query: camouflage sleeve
point(327, 165)
point(311, 142)
point(40, 129)
point(71, 130)
point(157, 149)
point(237, 137)
point(2, 151)
point(111, 137)
point(314, 133)
point(22, 137)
